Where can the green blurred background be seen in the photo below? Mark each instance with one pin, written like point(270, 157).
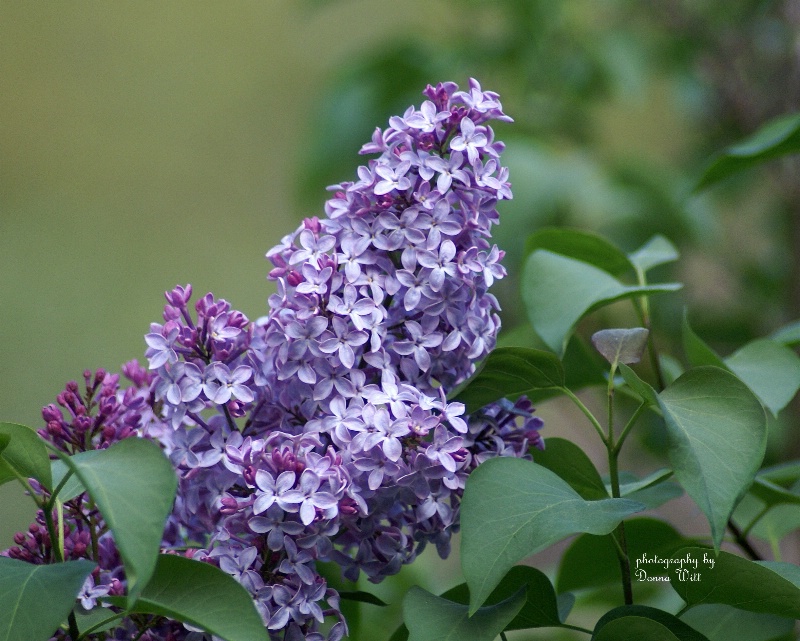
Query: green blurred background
point(148, 144)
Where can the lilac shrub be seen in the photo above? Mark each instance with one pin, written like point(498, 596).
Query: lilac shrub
point(323, 431)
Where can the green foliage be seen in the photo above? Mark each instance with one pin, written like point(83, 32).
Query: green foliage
point(638, 622)
point(538, 509)
point(202, 595)
point(23, 456)
point(725, 623)
point(26, 588)
point(133, 485)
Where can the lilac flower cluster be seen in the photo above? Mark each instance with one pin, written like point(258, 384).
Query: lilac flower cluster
point(323, 431)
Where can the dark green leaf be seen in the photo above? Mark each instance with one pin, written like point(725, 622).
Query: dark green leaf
point(591, 561)
point(400, 634)
point(432, 618)
point(696, 349)
point(772, 494)
point(635, 484)
point(558, 291)
point(656, 251)
point(674, 625)
point(566, 601)
point(25, 453)
point(633, 628)
point(724, 623)
point(530, 508)
point(581, 245)
point(97, 620)
point(362, 597)
point(717, 437)
point(778, 137)
point(738, 582)
point(36, 599)
point(771, 370)
point(782, 474)
point(541, 605)
point(571, 463)
point(510, 372)
point(202, 595)
point(652, 491)
point(133, 485)
point(642, 389)
point(621, 345)
point(788, 335)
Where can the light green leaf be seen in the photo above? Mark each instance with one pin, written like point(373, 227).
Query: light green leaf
point(635, 484)
point(571, 463)
point(202, 595)
point(771, 370)
point(772, 494)
point(642, 389)
point(784, 473)
point(740, 583)
point(582, 245)
point(36, 599)
point(697, 351)
point(621, 345)
point(530, 508)
point(608, 628)
point(133, 485)
point(26, 453)
point(510, 372)
point(725, 623)
point(778, 137)
point(656, 251)
point(558, 291)
point(717, 437)
point(541, 607)
point(432, 618)
point(98, 619)
point(788, 334)
point(73, 486)
point(652, 491)
point(591, 561)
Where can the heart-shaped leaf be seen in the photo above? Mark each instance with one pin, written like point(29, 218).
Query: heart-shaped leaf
point(771, 370)
point(36, 599)
point(530, 508)
point(656, 251)
point(202, 595)
point(725, 623)
point(740, 583)
point(558, 291)
point(717, 437)
point(541, 608)
point(621, 345)
point(24, 454)
point(133, 485)
point(571, 463)
point(630, 613)
point(510, 372)
point(432, 618)
point(778, 137)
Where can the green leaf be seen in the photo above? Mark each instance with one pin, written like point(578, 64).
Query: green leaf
point(740, 583)
point(778, 137)
point(73, 486)
point(558, 291)
point(529, 508)
point(717, 436)
point(633, 628)
point(635, 484)
point(697, 351)
point(724, 623)
point(772, 494)
point(133, 485)
point(771, 370)
point(400, 634)
point(784, 473)
point(36, 599)
point(96, 620)
point(788, 334)
point(362, 597)
point(510, 372)
point(642, 389)
point(656, 251)
point(591, 561)
point(432, 618)
point(652, 491)
point(581, 245)
point(571, 463)
point(202, 595)
point(777, 523)
point(25, 453)
point(677, 628)
point(541, 605)
point(621, 345)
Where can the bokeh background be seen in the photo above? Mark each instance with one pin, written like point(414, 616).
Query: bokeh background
point(148, 144)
